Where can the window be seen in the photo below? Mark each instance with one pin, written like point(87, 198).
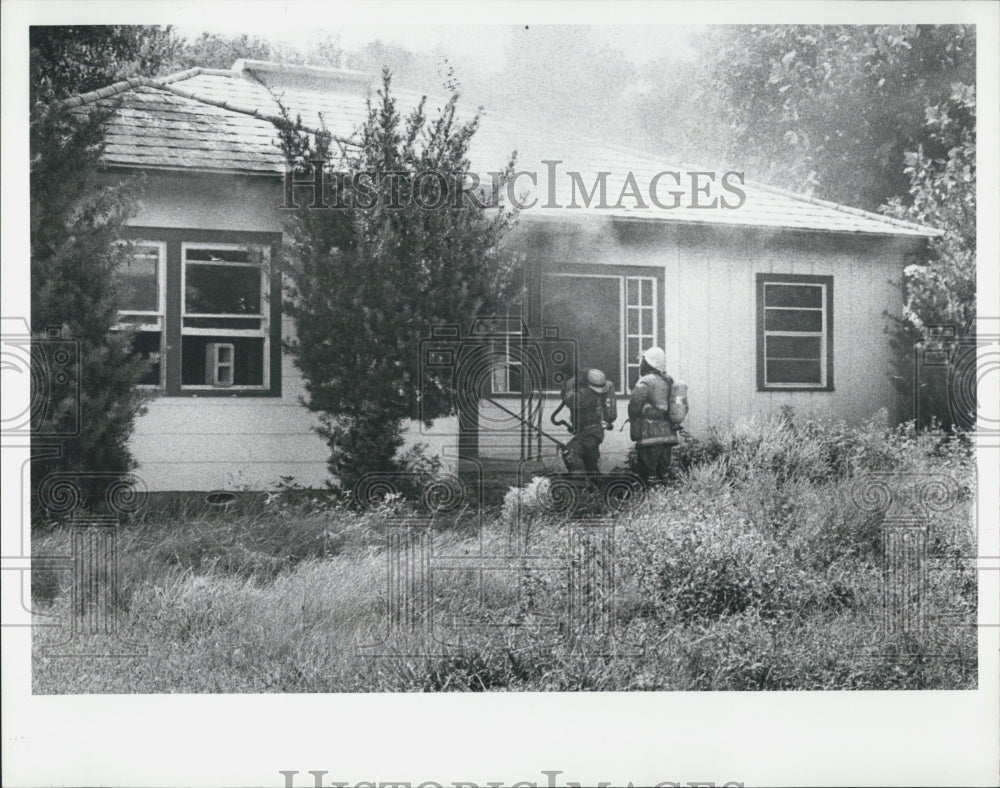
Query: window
point(794, 332)
point(141, 285)
point(506, 373)
point(225, 337)
point(613, 317)
point(640, 323)
point(205, 308)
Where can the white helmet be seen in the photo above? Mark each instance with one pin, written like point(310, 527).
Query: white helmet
point(597, 381)
point(656, 358)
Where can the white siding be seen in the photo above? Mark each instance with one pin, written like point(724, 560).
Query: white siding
point(197, 201)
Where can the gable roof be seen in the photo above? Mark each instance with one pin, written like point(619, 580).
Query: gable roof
point(212, 120)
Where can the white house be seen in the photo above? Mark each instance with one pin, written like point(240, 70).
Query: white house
point(762, 298)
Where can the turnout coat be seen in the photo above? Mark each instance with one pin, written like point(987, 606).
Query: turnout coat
point(648, 411)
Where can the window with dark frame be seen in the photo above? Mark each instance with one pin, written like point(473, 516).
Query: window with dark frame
point(225, 335)
point(206, 313)
point(611, 314)
point(140, 283)
point(794, 332)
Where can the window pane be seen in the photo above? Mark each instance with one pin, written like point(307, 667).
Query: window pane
point(633, 350)
point(633, 376)
point(221, 289)
point(793, 347)
point(506, 378)
point(793, 295)
point(147, 345)
point(587, 310)
point(137, 321)
point(793, 320)
point(514, 378)
point(633, 322)
point(647, 322)
point(794, 372)
point(244, 323)
point(248, 362)
point(633, 292)
point(137, 281)
point(227, 255)
point(647, 292)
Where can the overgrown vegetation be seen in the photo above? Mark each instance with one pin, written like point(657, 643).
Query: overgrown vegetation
point(940, 289)
point(754, 569)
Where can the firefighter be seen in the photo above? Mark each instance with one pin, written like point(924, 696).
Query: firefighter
point(649, 412)
point(589, 397)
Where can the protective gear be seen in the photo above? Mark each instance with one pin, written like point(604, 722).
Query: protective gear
point(583, 453)
point(656, 358)
point(597, 381)
point(677, 411)
point(590, 397)
point(584, 408)
point(653, 462)
point(648, 411)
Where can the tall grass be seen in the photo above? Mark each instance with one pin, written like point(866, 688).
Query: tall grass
point(753, 569)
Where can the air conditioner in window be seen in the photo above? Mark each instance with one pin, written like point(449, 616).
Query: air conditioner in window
point(220, 363)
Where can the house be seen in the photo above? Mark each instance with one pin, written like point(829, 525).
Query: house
point(761, 298)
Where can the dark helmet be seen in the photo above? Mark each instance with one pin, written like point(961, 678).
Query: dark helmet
point(597, 381)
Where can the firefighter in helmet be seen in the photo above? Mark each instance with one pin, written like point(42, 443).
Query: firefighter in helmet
point(587, 395)
point(649, 412)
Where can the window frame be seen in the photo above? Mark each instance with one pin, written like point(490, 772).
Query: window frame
point(160, 313)
point(623, 273)
point(175, 240)
point(501, 374)
point(264, 332)
point(826, 334)
point(640, 335)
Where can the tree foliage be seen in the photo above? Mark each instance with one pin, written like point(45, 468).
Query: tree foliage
point(367, 283)
point(87, 407)
point(940, 289)
point(75, 222)
point(65, 60)
point(218, 50)
point(826, 109)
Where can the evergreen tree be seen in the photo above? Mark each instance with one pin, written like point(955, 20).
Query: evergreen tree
point(86, 407)
point(369, 280)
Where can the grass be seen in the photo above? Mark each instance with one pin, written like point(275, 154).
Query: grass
point(755, 568)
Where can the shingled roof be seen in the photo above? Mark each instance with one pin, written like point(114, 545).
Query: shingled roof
point(211, 120)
